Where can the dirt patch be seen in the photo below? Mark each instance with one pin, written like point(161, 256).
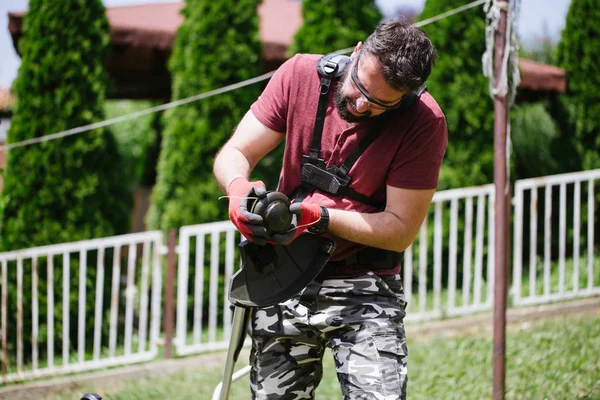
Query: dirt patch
point(514, 319)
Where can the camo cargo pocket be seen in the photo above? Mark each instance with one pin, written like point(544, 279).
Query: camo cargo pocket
point(392, 360)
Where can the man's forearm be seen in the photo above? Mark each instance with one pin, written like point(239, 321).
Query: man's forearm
point(383, 230)
point(230, 164)
point(250, 142)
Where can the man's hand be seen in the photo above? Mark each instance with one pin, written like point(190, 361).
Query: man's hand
point(241, 193)
point(305, 216)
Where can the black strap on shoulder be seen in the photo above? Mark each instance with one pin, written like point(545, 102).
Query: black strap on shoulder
point(332, 67)
point(408, 101)
point(345, 168)
point(340, 174)
point(411, 98)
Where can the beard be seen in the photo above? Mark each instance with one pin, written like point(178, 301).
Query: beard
point(342, 102)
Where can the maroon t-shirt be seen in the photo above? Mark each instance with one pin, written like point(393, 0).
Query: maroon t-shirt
point(407, 153)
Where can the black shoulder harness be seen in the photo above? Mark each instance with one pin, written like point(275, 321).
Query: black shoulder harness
point(335, 180)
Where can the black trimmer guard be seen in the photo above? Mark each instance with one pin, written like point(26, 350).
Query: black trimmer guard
point(274, 273)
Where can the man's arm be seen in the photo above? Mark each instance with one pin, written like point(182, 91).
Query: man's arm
point(392, 229)
point(250, 142)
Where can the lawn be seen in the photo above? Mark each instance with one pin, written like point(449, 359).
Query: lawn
point(554, 358)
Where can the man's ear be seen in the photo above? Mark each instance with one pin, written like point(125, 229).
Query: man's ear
point(356, 50)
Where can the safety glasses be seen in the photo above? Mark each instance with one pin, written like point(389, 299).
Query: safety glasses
point(372, 103)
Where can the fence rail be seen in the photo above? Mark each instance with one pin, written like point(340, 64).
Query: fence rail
point(445, 248)
point(569, 235)
point(447, 272)
point(192, 241)
point(89, 273)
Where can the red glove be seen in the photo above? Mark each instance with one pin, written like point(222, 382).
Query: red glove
point(242, 193)
point(305, 216)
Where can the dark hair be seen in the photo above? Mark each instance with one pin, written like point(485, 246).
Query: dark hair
point(405, 54)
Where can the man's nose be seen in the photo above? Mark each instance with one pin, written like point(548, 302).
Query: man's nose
point(362, 105)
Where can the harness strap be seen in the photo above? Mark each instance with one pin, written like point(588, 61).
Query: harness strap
point(360, 149)
point(329, 67)
point(353, 194)
point(336, 180)
point(315, 146)
point(378, 259)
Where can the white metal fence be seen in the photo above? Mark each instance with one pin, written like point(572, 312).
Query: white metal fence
point(429, 254)
point(61, 279)
point(543, 281)
point(448, 271)
point(205, 293)
point(202, 282)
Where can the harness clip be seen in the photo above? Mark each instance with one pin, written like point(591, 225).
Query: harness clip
point(326, 180)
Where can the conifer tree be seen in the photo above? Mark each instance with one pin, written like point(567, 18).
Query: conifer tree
point(330, 25)
point(66, 189)
point(578, 53)
point(458, 85)
point(217, 45)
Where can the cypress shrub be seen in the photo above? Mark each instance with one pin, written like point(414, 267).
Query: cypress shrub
point(67, 189)
point(577, 111)
point(332, 25)
point(461, 90)
point(138, 141)
point(578, 54)
point(458, 85)
point(217, 45)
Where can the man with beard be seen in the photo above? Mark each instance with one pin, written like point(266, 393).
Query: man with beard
point(357, 308)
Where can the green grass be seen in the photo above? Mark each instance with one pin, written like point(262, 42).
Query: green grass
point(552, 359)
point(556, 358)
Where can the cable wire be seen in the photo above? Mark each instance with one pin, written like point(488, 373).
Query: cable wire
point(449, 13)
point(151, 110)
point(224, 89)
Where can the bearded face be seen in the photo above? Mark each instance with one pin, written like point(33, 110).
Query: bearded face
point(363, 92)
point(343, 102)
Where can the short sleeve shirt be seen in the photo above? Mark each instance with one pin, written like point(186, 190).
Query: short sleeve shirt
point(407, 152)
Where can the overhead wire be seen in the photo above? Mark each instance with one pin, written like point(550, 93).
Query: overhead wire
point(147, 111)
point(224, 89)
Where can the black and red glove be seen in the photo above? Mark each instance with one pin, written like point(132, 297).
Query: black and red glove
point(241, 193)
point(311, 217)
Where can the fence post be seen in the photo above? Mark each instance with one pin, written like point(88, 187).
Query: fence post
point(169, 314)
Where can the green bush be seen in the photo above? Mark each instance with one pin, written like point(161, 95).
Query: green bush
point(67, 189)
point(578, 54)
point(461, 90)
point(533, 130)
point(138, 141)
point(332, 25)
point(217, 45)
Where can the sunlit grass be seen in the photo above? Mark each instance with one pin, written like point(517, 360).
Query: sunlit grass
point(555, 358)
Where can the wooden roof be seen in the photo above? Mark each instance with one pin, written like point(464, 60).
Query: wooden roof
point(142, 37)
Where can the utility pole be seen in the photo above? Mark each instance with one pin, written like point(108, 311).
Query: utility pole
point(502, 207)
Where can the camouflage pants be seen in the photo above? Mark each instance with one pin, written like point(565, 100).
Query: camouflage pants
point(360, 319)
